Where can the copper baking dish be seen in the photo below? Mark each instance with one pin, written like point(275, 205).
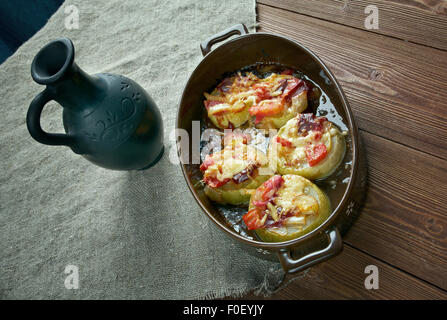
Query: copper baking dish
point(246, 49)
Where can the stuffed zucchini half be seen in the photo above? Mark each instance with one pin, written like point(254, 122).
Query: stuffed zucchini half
point(307, 145)
point(279, 98)
point(232, 174)
point(270, 102)
point(286, 207)
point(227, 105)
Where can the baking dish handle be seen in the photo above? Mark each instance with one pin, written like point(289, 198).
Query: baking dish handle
point(334, 247)
point(206, 45)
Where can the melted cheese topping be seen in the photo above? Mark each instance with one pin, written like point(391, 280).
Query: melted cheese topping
point(297, 104)
point(228, 104)
point(233, 160)
point(294, 196)
point(297, 206)
point(296, 155)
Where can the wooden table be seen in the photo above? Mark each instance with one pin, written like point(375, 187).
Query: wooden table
point(395, 79)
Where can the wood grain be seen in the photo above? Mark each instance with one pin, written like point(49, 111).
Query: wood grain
point(402, 228)
point(343, 277)
point(396, 89)
point(398, 93)
point(418, 21)
point(404, 219)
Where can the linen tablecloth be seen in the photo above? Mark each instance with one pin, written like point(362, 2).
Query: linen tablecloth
point(131, 235)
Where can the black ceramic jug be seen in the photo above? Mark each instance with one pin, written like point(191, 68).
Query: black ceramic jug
point(108, 119)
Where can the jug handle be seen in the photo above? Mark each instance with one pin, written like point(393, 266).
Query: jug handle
point(33, 123)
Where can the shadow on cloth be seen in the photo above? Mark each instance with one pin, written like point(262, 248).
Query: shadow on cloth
point(171, 246)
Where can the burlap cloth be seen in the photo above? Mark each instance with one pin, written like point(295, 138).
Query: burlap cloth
point(131, 234)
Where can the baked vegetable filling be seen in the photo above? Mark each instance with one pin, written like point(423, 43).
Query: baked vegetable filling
point(235, 99)
point(307, 145)
point(286, 205)
point(310, 135)
point(236, 162)
point(283, 201)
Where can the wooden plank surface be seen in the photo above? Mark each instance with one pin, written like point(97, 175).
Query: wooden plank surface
point(398, 94)
point(396, 89)
point(418, 21)
point(404, 218)
point(343, 277)
point(402, 229)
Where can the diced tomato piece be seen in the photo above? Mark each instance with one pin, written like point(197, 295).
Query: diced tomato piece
point(277, 181)
point(271, 186)
point(258, 118)
point(253, 219)
point(267, 194)
point(260, 204)
point(315, 154)
point(205, 164)
point(284, 142)
point(210, 103)
point(267, 108)
point(262, 91)
point(213, 182)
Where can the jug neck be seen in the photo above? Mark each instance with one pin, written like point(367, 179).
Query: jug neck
point(71, 87)
point(77, 89)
